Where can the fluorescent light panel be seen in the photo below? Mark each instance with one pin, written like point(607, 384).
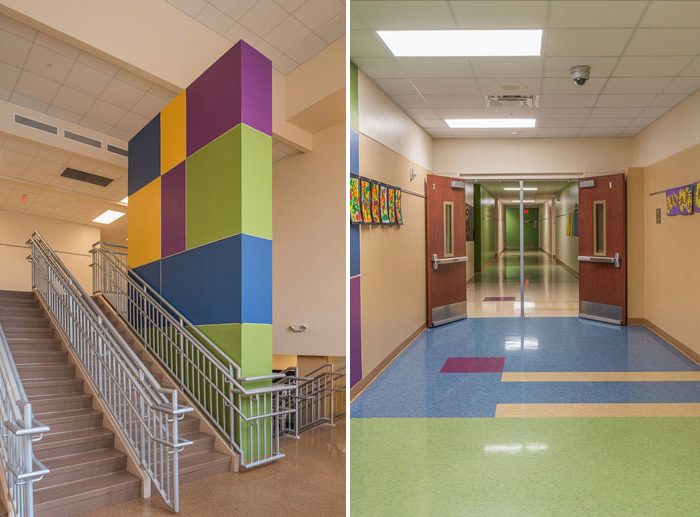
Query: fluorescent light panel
point(462, 43)
point(108, 217)
point(518, 188)
point(489, 123)
point(524, 201)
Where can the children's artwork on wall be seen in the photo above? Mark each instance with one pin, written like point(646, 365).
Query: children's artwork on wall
point(366, 200)
point(355, 214)
point(397, 202)
point(392, 205)
point(575, 222)
point(696, 204)
point(470, 223)
point(376, 217)
point(679, 200)
point(384, 203)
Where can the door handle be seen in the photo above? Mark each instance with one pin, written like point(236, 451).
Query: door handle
point(449, 260)
point(602, 260)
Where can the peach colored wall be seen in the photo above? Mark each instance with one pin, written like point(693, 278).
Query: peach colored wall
point(636, 279)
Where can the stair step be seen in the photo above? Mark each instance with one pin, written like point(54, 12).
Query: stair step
point(76, 467)
point(40, 371)
point(20, 321)
point(17, 294)
point(86, 495)
point(200, 442)
point(33, 345)
point(26, 356)
point(188, 425)
point(204, 464)
point(27, 312)
point(66, 421)
point(55, 445)
point(29, 332)
point(61, 402)
point(46, 386)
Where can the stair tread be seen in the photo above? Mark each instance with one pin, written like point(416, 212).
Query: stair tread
point(192, 461)
point(77, 434)
point(86, 488)
point(83, 458)
point(73, 395)
point(52, 416)
point(46, 382)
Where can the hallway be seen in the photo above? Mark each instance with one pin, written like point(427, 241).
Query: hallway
point(586, 392)
point(551, 290)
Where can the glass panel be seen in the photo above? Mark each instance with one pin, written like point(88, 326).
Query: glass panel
point(599, 228)
point(448, 221)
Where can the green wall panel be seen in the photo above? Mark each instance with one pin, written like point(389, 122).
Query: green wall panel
point(250, 345)
point(530, 228)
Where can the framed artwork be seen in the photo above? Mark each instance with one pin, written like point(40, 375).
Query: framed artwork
point(696, 204)
point(679, 200)
point(392, 205)
point(574, 229)
point(366, 200)
point(384, 203)
point(397, 203)
point(355, 214)
point(376, 216)
point(470, 222)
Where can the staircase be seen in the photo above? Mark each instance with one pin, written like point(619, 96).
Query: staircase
point(201, 459)
point(86, 470)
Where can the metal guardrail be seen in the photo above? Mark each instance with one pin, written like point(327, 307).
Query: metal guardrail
point(18, 432)
point(146, 413)
point(247, 417)
point(317, 397)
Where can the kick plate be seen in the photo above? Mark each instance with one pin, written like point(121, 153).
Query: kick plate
point(449, 313)
point(600, 312)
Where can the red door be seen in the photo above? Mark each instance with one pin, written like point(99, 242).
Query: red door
point(447, 249)
point(603, 249)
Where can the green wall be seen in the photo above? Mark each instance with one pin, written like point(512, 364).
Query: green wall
point(485, 227)
point(530, 230)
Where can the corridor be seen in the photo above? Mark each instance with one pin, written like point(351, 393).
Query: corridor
point(551, 290)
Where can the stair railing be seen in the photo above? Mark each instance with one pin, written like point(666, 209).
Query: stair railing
point(244, 413)
point(147, 414)
point(19, 429)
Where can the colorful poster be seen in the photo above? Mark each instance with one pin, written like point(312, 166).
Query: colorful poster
point(376, 217)
point(470, 222)
point(355, 214)
point(384, 203)
point(679, 200)
point(392, 205)
point(397, 202)
point(696, 205)
point(366, 200)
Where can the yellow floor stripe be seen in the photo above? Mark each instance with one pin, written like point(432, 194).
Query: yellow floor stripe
point(596, 410)
point(687, 376)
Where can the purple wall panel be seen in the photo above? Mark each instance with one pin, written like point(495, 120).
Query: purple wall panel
point(355, 332)
point(236, 88)
point(172, 185)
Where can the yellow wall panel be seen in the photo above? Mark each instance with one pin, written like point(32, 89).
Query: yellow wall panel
point(144, 233)
point(172, 133)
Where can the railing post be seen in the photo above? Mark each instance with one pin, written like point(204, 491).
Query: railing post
point(28, 460)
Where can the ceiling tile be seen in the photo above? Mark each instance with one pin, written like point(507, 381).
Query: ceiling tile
point(561, 66)
point(455, 101)
point(122, 94)
point(106, 113)
point(35, 87)
point(121, 134)
point(409, 101)
point(546, 112)
point(263, 17)
point(668, 99)
point(610, 13)
point(397, 86)
point(500, 15)
point(333, 28)
point(402, 14)
point(132, 123)
point(567, 101)
point(66, 115)
point(288, 34)
point(561, 85)
point(214, 19)
point(97, 63)
point(284, 64)
point(693, 69)
point(600, 132)
point(48, 63)
point(73, 101)
point(586, 42)
point(650, 66)
point(664, 42)
point(446, 86)
point(17, 28)
point(8, 76)
point(379, 67)
point(233, 8)
point(636, 85)
point(87, 79)
point(653, 111)
point(29, 102)
point(366, 43)
point(426, 113)
point(608, 122)
point(15, 159)
point(288, 5)
point(190, 7)
point(237, 32)
point(507, 66)
point(56, 45)
point(21, 146)
point(560, 122)
point(13, 49)
point(672, 14)
point(149, 105)
point(615, 112)
point(624, 101)
point(683, 85)
point(308, 48)
point(267, 50)
point(641, 122)
point(435, 66)
point(133, 79)
point(431, 123)
point(562, 132)
point(314, 13)
point(510, 86)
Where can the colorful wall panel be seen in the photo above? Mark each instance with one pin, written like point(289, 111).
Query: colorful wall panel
point(355, 279)
point(200, 205)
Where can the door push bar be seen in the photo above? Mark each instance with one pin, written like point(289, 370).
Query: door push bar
point(601, 260)
point(450, 260)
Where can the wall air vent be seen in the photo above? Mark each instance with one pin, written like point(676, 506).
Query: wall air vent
point(514, 101)
point(82, 139)
point(117, 150)
point(41, 126)
point(86, 177)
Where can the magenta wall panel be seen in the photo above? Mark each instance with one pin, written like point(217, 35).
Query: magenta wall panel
point(172, 188)
point(236, 89)
point(355, 332)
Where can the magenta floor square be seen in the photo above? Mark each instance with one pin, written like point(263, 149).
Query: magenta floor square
point(473, 365)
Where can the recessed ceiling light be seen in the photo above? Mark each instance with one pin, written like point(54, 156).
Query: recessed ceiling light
point(108, 217)
point(518, 188)
point(462, 43)
point(125, 201)
point(524, 201)
point(485, 123)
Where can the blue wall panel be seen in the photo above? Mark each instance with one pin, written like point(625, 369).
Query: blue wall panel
point(354, 152)
point(144, 156)
point(354, 249)
point(150, 273)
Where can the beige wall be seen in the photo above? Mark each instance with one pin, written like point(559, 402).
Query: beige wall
point(308, 248)
point(566, 245)
point(531, 155)
point(72, 242)
point(635, 243)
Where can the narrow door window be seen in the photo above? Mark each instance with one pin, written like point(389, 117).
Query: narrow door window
point(448, 223)
point(599, 228)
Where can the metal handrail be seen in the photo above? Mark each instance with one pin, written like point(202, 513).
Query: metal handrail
point(147, 414)
point(247, 417)
point(19, 429)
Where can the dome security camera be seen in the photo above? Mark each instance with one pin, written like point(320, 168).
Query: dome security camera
point(580, 74)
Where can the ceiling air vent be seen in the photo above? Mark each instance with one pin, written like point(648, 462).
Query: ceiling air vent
point(82, 139)
point(117, 150)
point(86, 177)
point(41, 126)
point(512, 101)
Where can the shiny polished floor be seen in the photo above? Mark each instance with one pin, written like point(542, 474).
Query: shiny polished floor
point(309, 481)
point(550, 289)
point(549, 416)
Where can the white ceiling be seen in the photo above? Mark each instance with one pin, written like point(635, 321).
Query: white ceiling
point(644, 58)
point(289, 32)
